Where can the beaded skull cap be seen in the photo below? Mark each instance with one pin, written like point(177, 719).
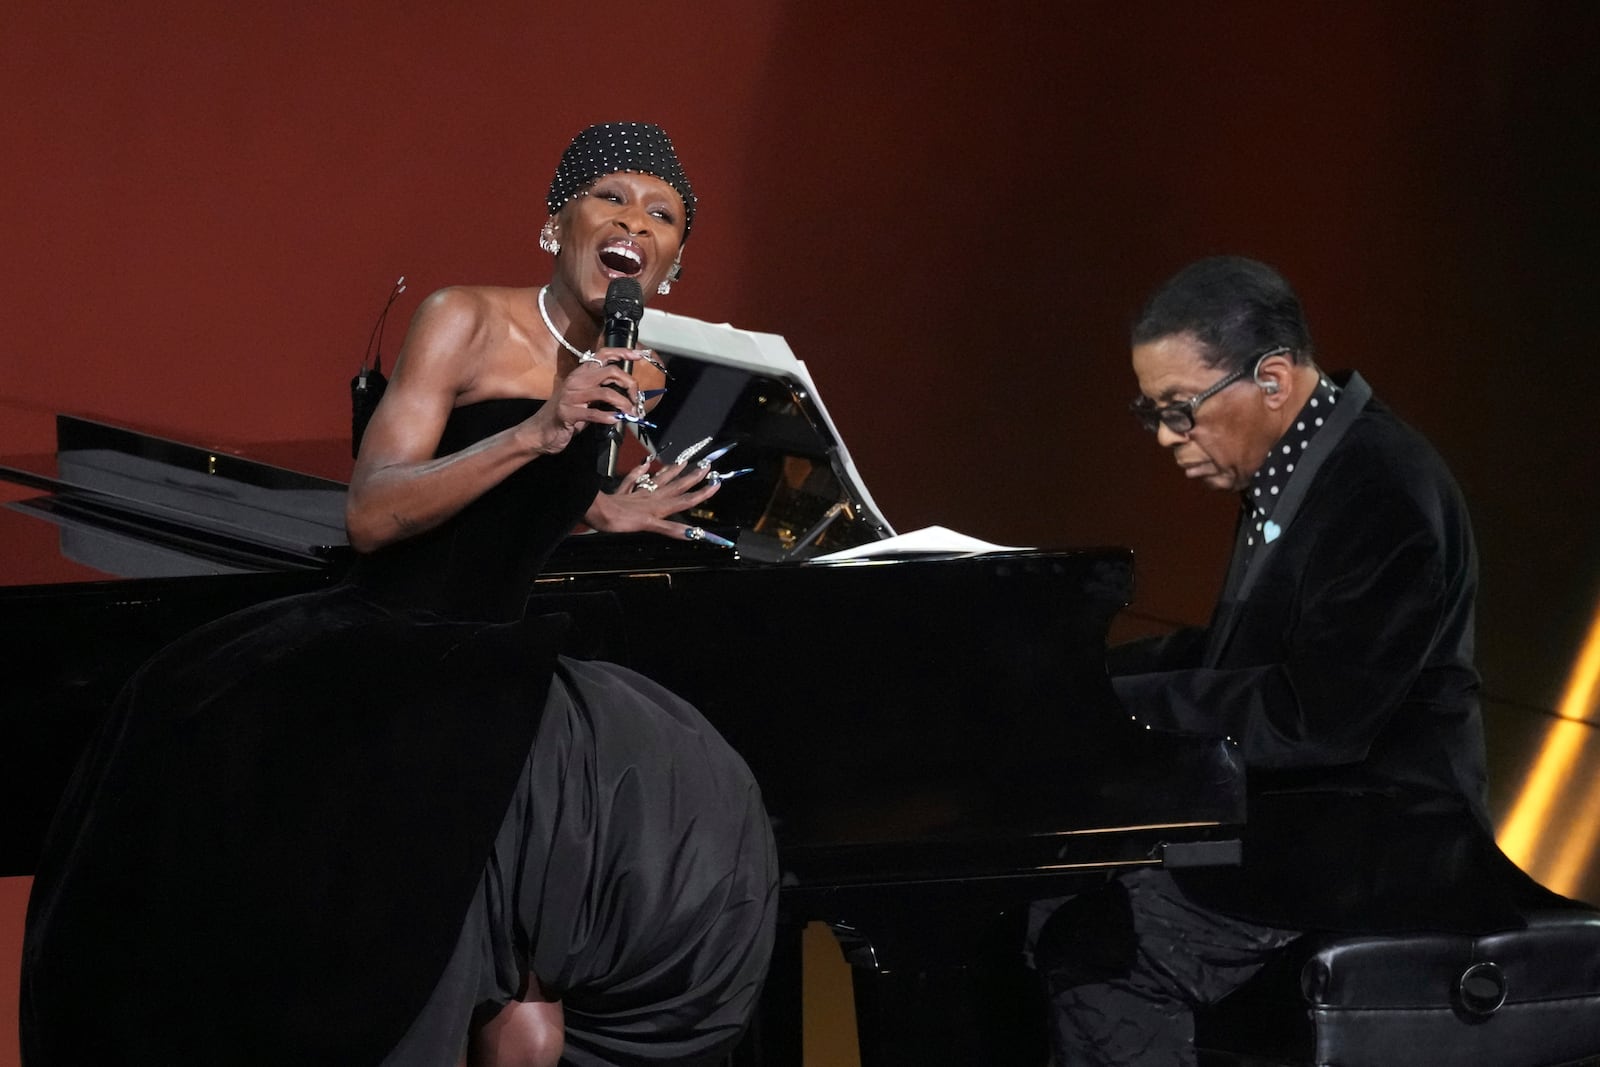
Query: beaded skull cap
point(605, 148)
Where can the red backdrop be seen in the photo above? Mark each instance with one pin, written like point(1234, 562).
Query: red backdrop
point(951, 213)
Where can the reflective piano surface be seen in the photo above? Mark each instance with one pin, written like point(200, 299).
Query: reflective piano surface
point(935, 737)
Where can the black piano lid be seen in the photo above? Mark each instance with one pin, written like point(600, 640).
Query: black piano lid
point(137, 505)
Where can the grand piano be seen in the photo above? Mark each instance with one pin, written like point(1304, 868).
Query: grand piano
point(932, 726)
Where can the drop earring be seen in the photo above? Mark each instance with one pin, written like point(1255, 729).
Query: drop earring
point(547, 238)
point(672, 275)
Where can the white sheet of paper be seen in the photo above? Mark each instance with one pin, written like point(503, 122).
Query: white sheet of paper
point(928, 541)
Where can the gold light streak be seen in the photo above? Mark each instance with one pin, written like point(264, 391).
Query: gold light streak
point(1576, 848)
point(1561, 863)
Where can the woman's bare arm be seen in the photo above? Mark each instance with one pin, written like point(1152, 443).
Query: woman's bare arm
point(398, 489)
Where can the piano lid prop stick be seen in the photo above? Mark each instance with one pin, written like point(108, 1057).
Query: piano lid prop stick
point(821, 524)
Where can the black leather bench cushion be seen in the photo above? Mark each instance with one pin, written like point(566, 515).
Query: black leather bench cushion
point(1556, 957)
point(1524, 998)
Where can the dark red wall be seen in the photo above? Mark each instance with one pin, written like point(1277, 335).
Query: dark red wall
point(951, 211)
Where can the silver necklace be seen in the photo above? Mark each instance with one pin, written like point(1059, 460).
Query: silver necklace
point(589, 357)
point(583, 357)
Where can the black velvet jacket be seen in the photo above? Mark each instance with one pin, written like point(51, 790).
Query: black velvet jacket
point(1340, 662)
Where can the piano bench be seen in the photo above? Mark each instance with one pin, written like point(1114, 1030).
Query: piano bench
point(1522, 998)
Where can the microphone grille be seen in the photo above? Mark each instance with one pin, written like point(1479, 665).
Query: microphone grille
point(624, 299)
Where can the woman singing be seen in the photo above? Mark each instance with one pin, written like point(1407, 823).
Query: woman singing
point(387, 823)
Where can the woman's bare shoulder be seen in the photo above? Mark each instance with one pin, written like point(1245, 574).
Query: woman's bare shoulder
point(458, 307)
point(447, 337)
point(484, 299)
point(463, 318)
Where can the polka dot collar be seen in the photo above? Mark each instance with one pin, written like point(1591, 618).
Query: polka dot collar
point(1271, 480)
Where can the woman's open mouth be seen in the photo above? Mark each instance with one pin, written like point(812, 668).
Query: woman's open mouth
point(621, 258)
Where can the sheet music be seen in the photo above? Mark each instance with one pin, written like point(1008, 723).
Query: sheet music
point(928, 541)
point(765, 354)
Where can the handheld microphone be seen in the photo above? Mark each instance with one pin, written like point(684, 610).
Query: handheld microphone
point(623, 309)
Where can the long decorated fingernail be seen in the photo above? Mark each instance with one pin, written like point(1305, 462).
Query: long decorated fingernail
point(695, 533)
point(689, 453)
point(711, 457)
point(718, 477)
point(624, 416)
point(651, 394)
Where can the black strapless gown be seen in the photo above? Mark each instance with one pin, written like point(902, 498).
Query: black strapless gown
point(331, 829)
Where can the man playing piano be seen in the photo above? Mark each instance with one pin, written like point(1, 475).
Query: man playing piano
point(1338, 658)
